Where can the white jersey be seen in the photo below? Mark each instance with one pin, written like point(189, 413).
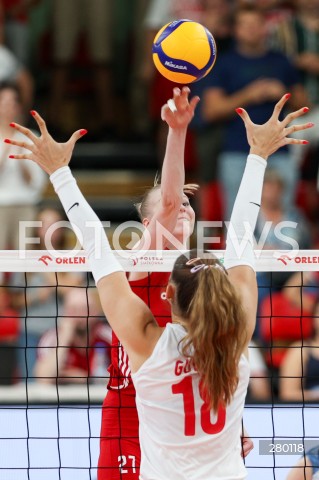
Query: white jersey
point(180, 438)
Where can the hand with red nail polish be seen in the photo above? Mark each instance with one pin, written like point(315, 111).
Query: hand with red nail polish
point(43, 149)
point(266, 139)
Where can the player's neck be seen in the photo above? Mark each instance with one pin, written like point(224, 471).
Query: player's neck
point(179, 320)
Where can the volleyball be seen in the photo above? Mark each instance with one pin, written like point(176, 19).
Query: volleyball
point(184, 51)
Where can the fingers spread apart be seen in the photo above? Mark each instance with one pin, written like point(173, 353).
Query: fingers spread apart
point(280, 105)
point(25, 131)
point(291, 116)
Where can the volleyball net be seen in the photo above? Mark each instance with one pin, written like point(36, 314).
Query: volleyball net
point(55, 346)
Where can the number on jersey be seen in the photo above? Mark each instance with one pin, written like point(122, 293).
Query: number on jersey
point(185, 388)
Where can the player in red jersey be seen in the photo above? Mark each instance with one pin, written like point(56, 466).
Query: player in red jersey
point(119, 443)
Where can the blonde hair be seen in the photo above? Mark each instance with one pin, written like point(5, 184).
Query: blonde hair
point(215, 324)
point(142, 207)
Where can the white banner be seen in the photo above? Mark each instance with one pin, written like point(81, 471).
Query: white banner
point(152, 260)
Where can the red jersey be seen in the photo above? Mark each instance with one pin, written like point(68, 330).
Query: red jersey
point(151, 290)
point(119, 440)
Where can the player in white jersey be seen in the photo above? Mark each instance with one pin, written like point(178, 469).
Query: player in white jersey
point(191, 377)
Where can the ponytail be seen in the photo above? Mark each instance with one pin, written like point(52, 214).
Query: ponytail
point(216, 328)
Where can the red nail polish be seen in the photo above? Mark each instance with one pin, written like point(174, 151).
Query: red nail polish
point(305, 142)
point(11, 156)
point(12, 124)
point(239, 110)
point(33, 112)
point(83, 132)
point(305, 109)
point(311, 124)
point(288, 95)
point(6, 140)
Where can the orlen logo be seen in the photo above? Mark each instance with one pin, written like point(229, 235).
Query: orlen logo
point(305, 260)
point(45, 259)
point(284, 259)
point(63, 260)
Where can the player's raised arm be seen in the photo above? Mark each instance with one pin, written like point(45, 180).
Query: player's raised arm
point(177, 113)
point(128, 315)
point(239, 258)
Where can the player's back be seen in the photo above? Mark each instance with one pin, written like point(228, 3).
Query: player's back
point(180, 438)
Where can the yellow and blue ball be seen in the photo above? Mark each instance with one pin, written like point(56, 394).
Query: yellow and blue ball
point(184, 51)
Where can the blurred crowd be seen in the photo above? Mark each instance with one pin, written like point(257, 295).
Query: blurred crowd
point(88, 63)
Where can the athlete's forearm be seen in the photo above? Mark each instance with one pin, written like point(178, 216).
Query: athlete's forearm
point(173, 170)
point(239, 242)
point(86, 224)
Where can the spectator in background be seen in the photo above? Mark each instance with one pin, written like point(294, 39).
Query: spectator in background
point(254, 77)
point(39, 296)
point(93, 18)
point(297, 37)
point(299, 371)
point(274, 11)
point(79, 347)
point(274, 217)
point(307, 467)
point(16, 27)
point(9, 335)
point(21, 183)
point(279, 227)
point(285, 316)
point(12, 71)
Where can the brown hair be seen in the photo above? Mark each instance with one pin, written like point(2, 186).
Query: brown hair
point(142, 207)
point(215, 323)
point(248, 8)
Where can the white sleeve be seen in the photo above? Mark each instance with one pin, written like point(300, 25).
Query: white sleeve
point(86, 224)
point(239, 241)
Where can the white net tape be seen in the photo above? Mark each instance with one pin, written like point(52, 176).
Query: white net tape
point(152, 260)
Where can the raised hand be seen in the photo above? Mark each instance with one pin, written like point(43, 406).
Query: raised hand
point(44, 150)
point(268, 138)
point(179, 111)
